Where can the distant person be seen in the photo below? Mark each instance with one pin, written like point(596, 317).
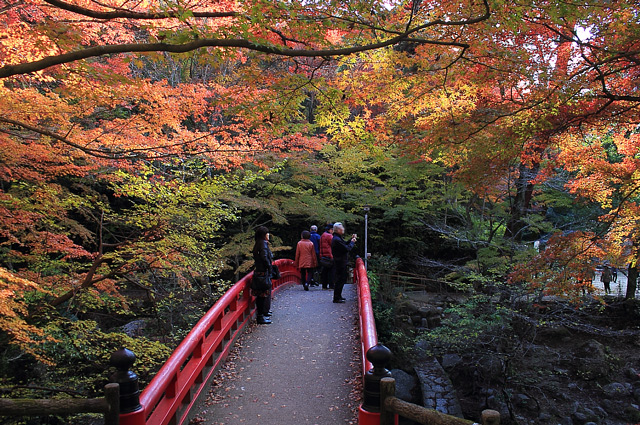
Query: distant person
point(614, 274)
point(263, 259)
point(326, 258)
point(315, 238)
point(606, 279)
point(340, 250)
point(306, 259)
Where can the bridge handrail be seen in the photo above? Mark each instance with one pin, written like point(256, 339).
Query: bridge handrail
point(368, 332)
point(170, 389)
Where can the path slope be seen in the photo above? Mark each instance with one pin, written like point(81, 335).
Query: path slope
point(299, 370)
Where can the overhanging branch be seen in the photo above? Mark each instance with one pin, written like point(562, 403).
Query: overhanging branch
point(85, 53)
point(25, 68)
point(129, 14)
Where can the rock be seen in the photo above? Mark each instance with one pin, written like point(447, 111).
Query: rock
point(524, 401)
point(566, 421)
point(556, 332)
point(579, 418)
point(134, 328)
point(428, 311)
point(422, 349)
point(583, 415)
point(434, 322)
point(591, 362)
point(544, 416)
point(405, 383)
point(632, 374)
point(615, 390)
point(612, 407)
point(632, 414)
point(496, 403)
point(450, 361)
point(589, 413)
point(490, 367)
point(636, 394)
point(600, 412)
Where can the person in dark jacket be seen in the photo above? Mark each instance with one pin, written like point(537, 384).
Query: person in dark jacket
point(340, 250)
point(263, 267)
point(315, 238)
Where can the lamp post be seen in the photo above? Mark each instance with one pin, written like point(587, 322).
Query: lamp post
point(366, 209)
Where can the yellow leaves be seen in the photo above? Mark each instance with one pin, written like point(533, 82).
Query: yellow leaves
point(450, 105)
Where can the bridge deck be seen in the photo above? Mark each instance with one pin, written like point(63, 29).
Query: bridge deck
point(302, 369)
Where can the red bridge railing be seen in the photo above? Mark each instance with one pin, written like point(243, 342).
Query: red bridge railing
point(368, 340)
point(368, 333)
point(174, 390)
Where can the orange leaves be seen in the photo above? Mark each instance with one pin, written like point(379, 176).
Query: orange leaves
point(564, 268)
point(598, 177)
point(13, 313)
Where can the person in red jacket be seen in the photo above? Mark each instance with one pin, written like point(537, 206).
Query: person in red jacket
point(306, 259)
point(326, 258)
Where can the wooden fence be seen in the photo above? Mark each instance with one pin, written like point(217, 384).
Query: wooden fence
point(109, 406)
point(390, 406)
point(414, 282)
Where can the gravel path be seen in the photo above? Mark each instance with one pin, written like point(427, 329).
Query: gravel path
point(302, 369)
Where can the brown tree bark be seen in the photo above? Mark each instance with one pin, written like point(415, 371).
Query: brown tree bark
point(632, 281)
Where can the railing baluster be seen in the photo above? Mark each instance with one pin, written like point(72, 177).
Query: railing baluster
point(233, 306)
point(197, 351)
point(170, 392)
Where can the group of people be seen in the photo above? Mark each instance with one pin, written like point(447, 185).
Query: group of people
point(328, 252)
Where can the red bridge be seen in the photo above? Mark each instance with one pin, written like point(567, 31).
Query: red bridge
point(175, 395)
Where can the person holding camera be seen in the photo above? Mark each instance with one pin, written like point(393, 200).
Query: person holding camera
point(340, 250)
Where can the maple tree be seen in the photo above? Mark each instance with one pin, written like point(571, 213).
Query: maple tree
point(133, 135)
point(504, 114)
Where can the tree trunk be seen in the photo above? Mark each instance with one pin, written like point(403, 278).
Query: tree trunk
point(632, 281)
point(521, 203)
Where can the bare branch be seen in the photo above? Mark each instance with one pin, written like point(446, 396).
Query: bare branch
point(130, 14)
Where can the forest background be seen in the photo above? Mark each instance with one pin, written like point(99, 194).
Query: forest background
point(142, 142)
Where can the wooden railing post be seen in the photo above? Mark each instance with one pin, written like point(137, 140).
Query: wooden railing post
point(490, 417)
point(387, 389)
point(112, 397)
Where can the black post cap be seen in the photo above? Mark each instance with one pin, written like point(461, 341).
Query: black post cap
point(122, 359)
point(379, 356)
